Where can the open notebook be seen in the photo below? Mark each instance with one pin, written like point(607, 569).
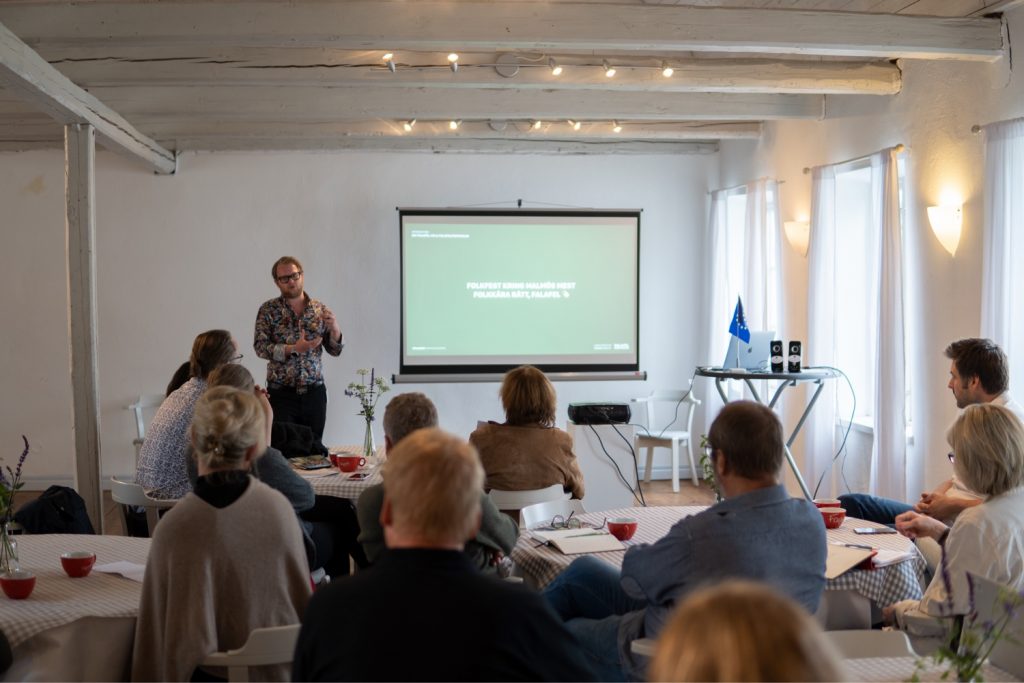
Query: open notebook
point(577, 541)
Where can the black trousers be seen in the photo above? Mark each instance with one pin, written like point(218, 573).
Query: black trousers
point(309, 408)
point(335, 533)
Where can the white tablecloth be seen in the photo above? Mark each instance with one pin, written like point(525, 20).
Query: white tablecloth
point(48, 629)
point(332, 482)
point(902, 668)
point(540, 564)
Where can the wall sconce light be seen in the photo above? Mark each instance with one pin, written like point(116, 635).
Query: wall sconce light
point(947, 222)
point(798, 234)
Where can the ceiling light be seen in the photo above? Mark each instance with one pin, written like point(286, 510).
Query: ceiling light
point(454, 124)
point(609, 70)
point(616, 127)
point(666, 70)
point(556, 70)
point(574, 124)
point(389, 60)
point(537, 124)
point(453, 61)
point(408, 125)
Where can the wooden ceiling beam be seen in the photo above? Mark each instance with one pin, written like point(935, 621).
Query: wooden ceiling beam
point(26, 75)
point(434, 25)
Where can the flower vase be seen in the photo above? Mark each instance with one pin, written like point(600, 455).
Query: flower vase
point(8, 550)
point(368, 445)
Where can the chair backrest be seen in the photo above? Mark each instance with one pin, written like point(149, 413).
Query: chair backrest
point(861, 643)
point(673, 397)
point(129, 493)
point(145, 405)
point(540, 514)
point(264, 647)
point(1008, 654)
point(516, 500)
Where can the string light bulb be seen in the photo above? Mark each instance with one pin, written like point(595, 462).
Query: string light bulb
point(453, 62)
point(408, 125)
point(454, 124)
point(616, 127)
point(667, 70)
point(556, 70)
point(609, 70)
point(389, 60)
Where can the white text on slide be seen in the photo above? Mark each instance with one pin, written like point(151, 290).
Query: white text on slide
point(521, 290)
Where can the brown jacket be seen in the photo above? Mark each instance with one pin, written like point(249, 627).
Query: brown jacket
point(521, 458)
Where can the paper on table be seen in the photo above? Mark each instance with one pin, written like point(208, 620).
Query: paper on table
point(578, 541)
point(886, 557)
point(842, 559)
point(129, 570)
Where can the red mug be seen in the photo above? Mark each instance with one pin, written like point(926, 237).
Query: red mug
point(622, 528)
point(350, 463)
point(17, 584)
point(77, 564)
point(827, 503)
point(833, 517)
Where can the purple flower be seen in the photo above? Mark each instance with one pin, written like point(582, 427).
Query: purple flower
point(947, 583)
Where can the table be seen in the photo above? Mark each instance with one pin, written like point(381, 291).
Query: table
point(337, 484)
point(786, 379)
point(902, 668)
point(74, 629)
point(884, 586)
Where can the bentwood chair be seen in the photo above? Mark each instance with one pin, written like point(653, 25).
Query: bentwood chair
point(543, 513)
point(264, 647)
point(652, 437)
point(129, 493)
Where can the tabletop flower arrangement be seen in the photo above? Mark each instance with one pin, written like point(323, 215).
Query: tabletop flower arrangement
point(10, 483)
point(368, 394)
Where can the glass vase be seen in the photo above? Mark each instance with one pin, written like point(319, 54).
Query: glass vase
point(8, 550)
point(368, 445)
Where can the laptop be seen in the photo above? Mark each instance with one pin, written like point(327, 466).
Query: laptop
point(753, 357)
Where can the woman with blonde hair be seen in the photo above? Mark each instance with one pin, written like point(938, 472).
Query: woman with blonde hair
point(743, 631)
point(987, 539)
point(527, 451)
point(227, 558)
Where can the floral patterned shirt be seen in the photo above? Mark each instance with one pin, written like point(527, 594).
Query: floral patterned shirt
point(163, 460)
point(277, 326)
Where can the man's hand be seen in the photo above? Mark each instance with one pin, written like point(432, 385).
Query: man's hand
point(304, 345)
point(941, 506)
point(331, 323)
point(915, 525)
point(264, 398)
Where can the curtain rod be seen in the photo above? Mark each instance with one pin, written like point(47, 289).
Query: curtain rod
point(736, 187)
point(899, 148)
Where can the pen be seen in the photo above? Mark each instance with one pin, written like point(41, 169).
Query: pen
point(854, 545)
point(592, 533)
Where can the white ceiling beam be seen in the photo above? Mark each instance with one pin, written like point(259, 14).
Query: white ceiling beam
point(434, 25)
point(468, 145)
point(26, 75)
point(312, 67)
point(306, 104)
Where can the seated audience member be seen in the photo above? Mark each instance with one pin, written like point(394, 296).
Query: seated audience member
point(328, 524)
point(757, 532)
point(163, 460)
point(527, 451)
point(743, 631)
point(226, 559)
point(978, 373)
point(423, 612)
point(497, 535)
point(986, 539)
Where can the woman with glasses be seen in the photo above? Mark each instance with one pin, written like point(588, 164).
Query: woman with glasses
point(527, 451)
point(987, 539)
point(162, 469)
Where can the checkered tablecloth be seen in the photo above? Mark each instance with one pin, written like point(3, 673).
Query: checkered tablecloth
point(58, 600)
point(903, 668)
point(540, 564)
point(339, 484)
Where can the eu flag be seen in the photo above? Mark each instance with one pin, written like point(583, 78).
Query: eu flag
point(739, 328)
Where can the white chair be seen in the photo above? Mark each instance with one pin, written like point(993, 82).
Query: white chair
point(863, 643)
point(543, 513)
point(1008, 653)
point(673, 439)
point(264, 647)
point(514, 501)
point(146, 403)
point(129, 493)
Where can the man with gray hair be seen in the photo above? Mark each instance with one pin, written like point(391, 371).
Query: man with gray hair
point(405, 414)
point(443, 621)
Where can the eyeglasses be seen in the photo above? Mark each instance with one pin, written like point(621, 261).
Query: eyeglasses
point(294, 277)
point(951, 456)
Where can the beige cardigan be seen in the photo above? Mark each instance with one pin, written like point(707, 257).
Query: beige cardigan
point(213, 575)
point(522, 458)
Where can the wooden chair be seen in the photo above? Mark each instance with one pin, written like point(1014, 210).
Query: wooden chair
point(129, 493)
point(264, 647)
point(671, 439)
point(543, 513)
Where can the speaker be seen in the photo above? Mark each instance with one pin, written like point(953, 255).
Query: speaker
point(794, 356)
point(776, 354)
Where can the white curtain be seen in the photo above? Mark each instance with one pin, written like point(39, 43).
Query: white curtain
point(1002, 318)
point(742, 262)
point(888, 473)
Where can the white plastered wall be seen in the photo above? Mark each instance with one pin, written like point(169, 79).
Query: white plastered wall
point(178, 255)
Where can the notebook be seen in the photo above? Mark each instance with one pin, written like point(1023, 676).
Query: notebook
point(578, 541)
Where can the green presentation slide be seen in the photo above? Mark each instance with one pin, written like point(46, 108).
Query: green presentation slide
point(543, 289)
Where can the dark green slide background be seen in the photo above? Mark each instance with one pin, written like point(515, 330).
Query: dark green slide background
point(541, 289)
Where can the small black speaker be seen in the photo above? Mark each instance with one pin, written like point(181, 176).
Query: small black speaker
point(776, 354)
point(794, 356)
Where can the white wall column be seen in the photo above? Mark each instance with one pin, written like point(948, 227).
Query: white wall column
point(80, 192)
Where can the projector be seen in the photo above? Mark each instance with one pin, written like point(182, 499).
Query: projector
point(599, 413)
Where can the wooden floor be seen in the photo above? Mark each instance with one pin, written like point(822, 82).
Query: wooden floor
point(656, 493)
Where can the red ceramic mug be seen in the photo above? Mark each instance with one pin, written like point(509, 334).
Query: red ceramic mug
point(833, 517)
point(17, 584)
point(77, 564)
point(827, 503)
point(350, 463)
point(622, 528)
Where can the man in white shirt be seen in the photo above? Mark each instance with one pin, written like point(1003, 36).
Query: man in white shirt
point(978, 373)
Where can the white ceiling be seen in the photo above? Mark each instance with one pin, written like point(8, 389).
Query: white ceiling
point(309, 74)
